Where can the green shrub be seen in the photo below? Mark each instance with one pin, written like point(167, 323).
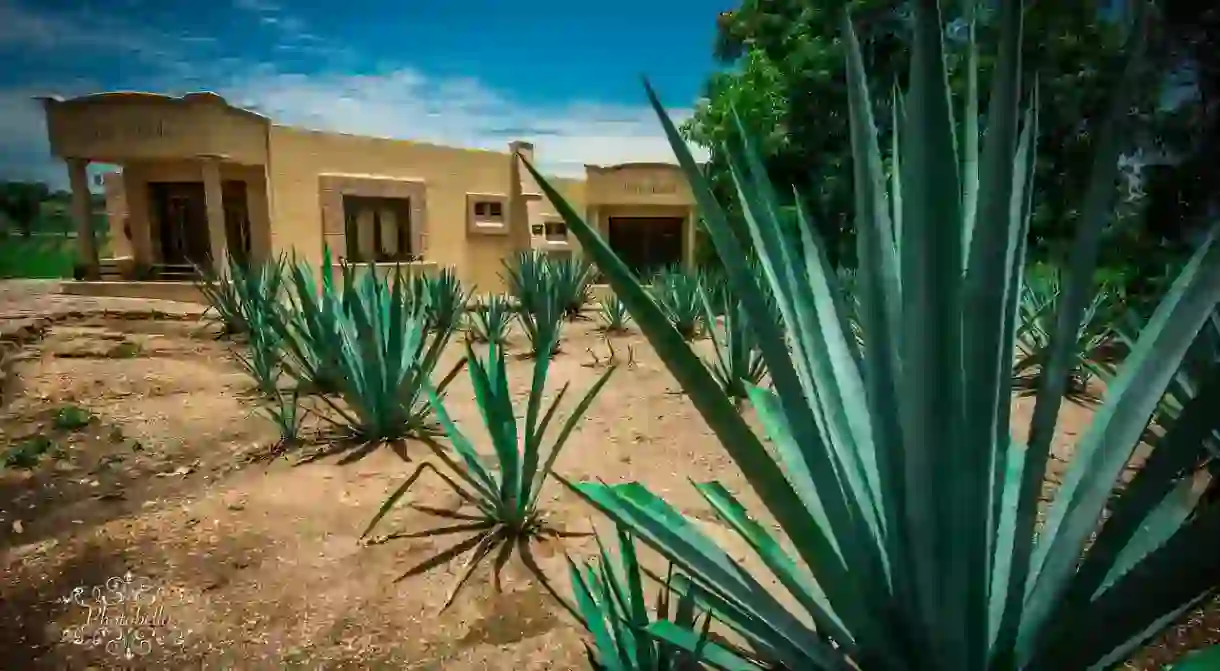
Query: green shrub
point(26, 454)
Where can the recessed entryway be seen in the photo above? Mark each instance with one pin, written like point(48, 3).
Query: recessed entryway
point(647, 244)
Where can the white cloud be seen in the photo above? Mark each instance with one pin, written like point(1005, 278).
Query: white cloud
point(460, 112)
point(398, 102)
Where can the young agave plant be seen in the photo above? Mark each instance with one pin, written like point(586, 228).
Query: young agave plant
point(573, 279)
point(1037, 309)
point(506, 515)
point(258, 292)
point(614, 315)
point(612, 606)
point(738, 363)
point(444, 299)
point(678, 293)
point(288, 416)
point(541, 309)
point(716, 288)
point(911, 515)
point(386, 359)
point(310, 332)
point(231, 294)
point(489, 321)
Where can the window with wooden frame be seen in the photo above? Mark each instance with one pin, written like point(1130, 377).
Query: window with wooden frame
point(378, 229)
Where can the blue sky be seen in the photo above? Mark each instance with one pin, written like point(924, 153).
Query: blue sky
point(466, 72)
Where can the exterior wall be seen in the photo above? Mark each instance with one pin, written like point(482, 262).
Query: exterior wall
point(573, 191)
point(309, 172)
point(296, 179)
point(641, 190)
point(121, 127)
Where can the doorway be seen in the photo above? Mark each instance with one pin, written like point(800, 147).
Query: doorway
point(647, 244)
point(237, 221)
point(180, 217)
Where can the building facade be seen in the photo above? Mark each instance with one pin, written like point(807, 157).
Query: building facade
point(201, 180)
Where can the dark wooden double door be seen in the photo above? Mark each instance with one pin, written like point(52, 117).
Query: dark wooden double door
point(180, 214)
point(646, 244)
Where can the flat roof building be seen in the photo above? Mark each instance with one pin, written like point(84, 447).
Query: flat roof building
point(201, 180)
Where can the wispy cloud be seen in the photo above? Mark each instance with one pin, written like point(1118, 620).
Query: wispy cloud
point(408, 104)
point(396, 102)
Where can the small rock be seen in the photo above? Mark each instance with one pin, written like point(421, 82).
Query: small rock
point(17, 527)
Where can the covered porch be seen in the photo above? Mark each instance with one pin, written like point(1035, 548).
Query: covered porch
point(191, 190)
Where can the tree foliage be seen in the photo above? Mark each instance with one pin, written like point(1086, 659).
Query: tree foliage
point(785, 77)
point(21, 203)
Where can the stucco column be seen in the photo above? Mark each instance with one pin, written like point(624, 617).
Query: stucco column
point(82, 209)
point(214, 197)
point(689, 227)
point(522, 189)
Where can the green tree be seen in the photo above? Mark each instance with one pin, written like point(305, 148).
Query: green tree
point(788, 52)
point(21, 203)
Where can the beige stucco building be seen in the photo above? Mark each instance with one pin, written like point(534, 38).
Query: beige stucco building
point(201, 180)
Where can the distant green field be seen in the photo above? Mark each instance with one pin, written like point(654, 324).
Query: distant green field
point(50, 250)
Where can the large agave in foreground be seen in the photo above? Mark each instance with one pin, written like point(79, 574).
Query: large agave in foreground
point(908, 509)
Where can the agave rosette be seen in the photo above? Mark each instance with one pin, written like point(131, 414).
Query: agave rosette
point(908, 515)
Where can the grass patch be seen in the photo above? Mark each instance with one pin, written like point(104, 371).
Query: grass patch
point(26, 454)
point(71, 418)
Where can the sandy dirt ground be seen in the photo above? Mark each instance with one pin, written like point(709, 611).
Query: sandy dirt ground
point(258, 564)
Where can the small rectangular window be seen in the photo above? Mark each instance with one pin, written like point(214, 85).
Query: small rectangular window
point(489, 210)
point(556, 231)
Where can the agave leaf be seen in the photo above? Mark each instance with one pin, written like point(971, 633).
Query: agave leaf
point(1052, 387)
point(764, 475)
point(660, 525)
point(1117, 427)
point(730, 510)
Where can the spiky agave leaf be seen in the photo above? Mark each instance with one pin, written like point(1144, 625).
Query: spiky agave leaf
point(310, 333)
point(573, 280)
point(1040, 298)
point(258, 290)
point(490, 319)
point(386, 358)
point(614, 609)
point(614, 315)
point(908, 510)
point(737, 362)
point(233, 292)
point(444, 299)
point(506, 514)
point(542, 300)
point(678, 292)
